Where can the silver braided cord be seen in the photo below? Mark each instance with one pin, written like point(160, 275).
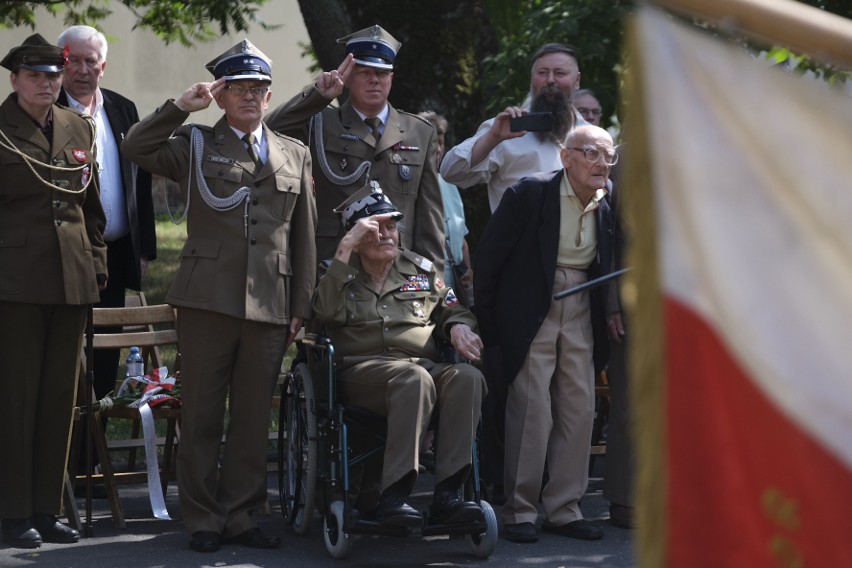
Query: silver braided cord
point(8, 145)
point(196, 151)
point(323, 162)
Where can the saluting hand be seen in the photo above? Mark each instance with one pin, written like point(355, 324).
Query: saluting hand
point(199, 96)
point(330, 83)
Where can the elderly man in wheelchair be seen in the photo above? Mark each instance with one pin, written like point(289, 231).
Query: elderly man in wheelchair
point(383, 306)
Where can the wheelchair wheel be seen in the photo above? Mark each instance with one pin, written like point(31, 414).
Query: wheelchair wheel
point(297, 457)
point(337, 542)
point(483, 544)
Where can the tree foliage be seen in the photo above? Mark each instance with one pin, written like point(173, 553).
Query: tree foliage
point(184, 22)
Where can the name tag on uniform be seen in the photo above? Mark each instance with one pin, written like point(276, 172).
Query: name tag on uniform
point(220, 160)
point(416, 283)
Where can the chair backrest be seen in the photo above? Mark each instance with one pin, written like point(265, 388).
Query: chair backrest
point(143, 326)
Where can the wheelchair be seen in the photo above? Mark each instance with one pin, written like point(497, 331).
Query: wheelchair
point(315, 458)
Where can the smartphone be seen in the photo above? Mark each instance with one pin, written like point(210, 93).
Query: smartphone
point(532, 122)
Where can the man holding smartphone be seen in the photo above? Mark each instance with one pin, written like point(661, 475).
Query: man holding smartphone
point(499, 157)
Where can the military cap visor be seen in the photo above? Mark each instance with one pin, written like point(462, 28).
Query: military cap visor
point(36, 54)
point(368, 201)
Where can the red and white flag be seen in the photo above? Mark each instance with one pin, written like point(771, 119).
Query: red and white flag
point(750, 172)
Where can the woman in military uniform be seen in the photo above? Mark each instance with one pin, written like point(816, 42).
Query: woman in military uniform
point(52, 263)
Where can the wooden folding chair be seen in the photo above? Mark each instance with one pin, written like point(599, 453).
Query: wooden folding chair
point(149, 328)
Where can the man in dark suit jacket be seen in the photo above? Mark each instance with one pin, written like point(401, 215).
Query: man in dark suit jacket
point(125, 188)
point(550, 232)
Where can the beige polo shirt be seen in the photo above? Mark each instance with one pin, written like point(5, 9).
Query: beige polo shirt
point(578, 237)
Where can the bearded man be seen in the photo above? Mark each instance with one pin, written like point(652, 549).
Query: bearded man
point(498, 157)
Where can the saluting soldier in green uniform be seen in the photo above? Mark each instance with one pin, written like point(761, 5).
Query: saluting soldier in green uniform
point(383, 307)
point(244, 286)
point(367, 139)
point(52, 263)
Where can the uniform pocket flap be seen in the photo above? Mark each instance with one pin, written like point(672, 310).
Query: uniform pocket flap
point(219, 170)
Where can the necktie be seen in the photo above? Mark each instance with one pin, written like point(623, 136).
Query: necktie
point(249, 139)
point(374, 124)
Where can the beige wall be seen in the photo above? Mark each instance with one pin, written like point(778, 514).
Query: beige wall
point(141, 67)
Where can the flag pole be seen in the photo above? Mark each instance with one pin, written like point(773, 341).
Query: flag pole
point(800, 27)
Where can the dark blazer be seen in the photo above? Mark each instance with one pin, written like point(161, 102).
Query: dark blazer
point(515, 268)
point(122, 114)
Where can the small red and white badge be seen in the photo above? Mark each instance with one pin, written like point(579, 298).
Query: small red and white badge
point(79, 155)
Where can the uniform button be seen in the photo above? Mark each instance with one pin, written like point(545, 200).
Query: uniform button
point(386, 329)
point(349, 277)
point(385, 306)
point(253, 241)
point(254, 221)
point(254, 201)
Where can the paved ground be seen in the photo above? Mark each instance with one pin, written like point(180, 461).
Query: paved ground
point(152, 543)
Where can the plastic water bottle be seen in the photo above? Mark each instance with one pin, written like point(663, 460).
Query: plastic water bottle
point(134, 365)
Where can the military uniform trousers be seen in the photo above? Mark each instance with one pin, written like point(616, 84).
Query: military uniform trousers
point(40, 347)
point(225, 357)
point(549, 413)
point(406, 391)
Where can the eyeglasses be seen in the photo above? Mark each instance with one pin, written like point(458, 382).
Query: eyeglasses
point(240, 90)
point(593, 155)
point(591, 111)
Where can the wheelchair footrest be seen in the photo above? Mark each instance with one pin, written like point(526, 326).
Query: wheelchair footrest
point(364, 526)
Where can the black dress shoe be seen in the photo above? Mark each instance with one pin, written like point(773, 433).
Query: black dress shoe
point(255, 538)
point(395, 511)
point(580, 529)
point(52, 530)
point(520, 532)
point(20, 533)
point(447, 507)
point(204, 541)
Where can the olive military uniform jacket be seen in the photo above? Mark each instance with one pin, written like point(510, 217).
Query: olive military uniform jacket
point(400, 322)
point(51, 241)
point(256, 261)
point(403, 162)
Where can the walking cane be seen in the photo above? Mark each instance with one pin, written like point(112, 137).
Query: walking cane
point(589, 284)
point(90, 382)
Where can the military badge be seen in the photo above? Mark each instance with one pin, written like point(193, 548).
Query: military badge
point(343, 164)
point(79, 155)
point(87, 172)
point(416, 283)
point(405, 172)
point(450, 299)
